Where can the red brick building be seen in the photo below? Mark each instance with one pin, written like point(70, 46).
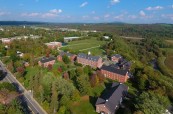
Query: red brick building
point(109, 101)
point(46, 61)
point(93, 61)
point(116, 58)
point(115, 74)
point(54, 45)
point(72, 57)
point(6, 40)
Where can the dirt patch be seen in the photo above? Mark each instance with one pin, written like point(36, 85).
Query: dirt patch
point(85, 98)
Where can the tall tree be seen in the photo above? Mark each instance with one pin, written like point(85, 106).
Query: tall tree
point(151, 103)
point(54, 98)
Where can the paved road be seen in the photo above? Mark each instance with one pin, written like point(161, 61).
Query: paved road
point(31, 102)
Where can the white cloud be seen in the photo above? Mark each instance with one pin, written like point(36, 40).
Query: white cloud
point(132, 16)
point(84, 4)
point(169, 16)
point(114, 2)
point(106, 16)
point(119, 17)
point(154, 8)
point(96, 18)
point(30, 14)
point(4, 13)
point(56, 11)
point(93, 12)
point(142, 13)
point(85, 17)
point(172, 6)
point(50, 14)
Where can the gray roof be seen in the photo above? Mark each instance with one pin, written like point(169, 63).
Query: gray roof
point(117, 56)
point(46, 59)
point(111, 98)
point(114, 70)
point(65, 53)
point(89, 57)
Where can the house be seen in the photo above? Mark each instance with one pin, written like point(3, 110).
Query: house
point(72, 57)
point(106, 37)
point(110, 100)
point(115, 74)
point(116, 58)
point(46, 61)
point(6, 40)
point(93, 61)
point(53, 45)
point(26, 64)
point(20, 54)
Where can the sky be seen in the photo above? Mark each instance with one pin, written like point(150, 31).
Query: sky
point(87, 11)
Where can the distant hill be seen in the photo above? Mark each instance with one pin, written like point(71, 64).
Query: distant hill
point(17, 23)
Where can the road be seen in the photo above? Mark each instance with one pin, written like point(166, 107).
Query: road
point(31, 102)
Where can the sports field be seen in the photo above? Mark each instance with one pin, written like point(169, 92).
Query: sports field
point(93, 45)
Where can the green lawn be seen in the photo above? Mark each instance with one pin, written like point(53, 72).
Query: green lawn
point(92, 45)
point(83, 107)
point(169, 58)
point(96, 91)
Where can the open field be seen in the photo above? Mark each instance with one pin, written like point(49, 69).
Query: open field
point(92, 45)
point(169, 62)
point(169, 59)
point(83, 107)
point(169, 41)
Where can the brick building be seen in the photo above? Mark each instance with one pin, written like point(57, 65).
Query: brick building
point(46, 61)
point(53, 45)
point(72, 57)
point(93, 61)
point(109, 101)
point(115, 74)
point(6, 40)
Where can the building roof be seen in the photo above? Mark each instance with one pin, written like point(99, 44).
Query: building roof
point(89, 57)
point(68, 38)
point(112, 97)
point(47, 59)
point(114, 70)
point(65, 53)
point(117, 56)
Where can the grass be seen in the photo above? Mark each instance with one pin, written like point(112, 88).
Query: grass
point(169, 41)
point(96, 91)
point(93, 45)
point(169, 62)
point(169, 59)
point(83, 107)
